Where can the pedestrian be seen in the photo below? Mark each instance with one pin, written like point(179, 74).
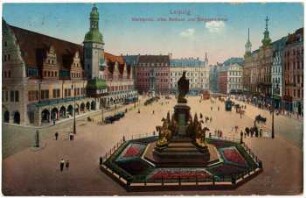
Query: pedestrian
point(62, 163)
point(67, 164)
point(211, 108)
point(153, 112)
point(210, 119)
point(54, 122)
point(138, 110)
point(71, 136)
point(100, 160)
point(56, 135)
point(218, 108)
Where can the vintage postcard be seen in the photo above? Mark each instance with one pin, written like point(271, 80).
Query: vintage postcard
point(175, 98)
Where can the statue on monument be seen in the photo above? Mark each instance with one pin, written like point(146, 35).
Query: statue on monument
point(164, 133)
point(183, 88)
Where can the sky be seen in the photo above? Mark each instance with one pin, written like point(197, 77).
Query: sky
point(182, 29)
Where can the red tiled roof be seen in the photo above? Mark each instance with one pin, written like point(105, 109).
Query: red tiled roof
point(35, 45)
point(112, 58)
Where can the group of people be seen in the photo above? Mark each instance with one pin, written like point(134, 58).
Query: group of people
point(253, 132)
point(206, 118)
point(70, 136)
point(218, 133)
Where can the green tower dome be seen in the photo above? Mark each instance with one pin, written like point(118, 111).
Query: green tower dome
point(94, 34)
point(94, 14)
point(266, 41)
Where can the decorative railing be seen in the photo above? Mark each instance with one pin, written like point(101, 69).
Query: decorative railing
point(57, 101)
point(141, 183)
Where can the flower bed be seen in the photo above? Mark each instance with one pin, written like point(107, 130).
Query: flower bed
point(131, 151)
point(232, 155)
point(134, 166)
point(226, 170)
point(176, 173)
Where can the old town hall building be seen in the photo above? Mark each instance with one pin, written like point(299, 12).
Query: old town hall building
point(46, 79)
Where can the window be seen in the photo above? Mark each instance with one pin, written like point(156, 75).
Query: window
point(16, 96)
point(8, 57)
point(12, 96)
point(6, 96)
point(5, 44)
point(4, 74)
point(56, 93)
point(44, 94)
point(4, 58)
point(9, 74)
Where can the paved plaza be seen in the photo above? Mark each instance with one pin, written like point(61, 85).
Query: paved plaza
point(29, 171)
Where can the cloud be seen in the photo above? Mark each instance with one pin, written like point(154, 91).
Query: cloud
point(215, 26)
point(189, 33)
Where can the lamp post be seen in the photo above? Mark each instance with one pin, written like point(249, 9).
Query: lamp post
point(74, 123)
point(102, 119)
point(273, 110)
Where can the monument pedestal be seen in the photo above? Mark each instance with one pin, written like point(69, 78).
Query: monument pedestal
point(181, 116)
point(181, 149)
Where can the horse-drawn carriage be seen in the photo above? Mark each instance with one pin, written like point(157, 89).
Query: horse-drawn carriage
point(259, 118)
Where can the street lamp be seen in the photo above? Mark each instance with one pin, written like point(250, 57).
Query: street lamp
point(102, 119)
point(74, 123)
point(273, 109)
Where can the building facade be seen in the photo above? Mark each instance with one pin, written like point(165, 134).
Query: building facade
point(294, 72)
point(223, 80)
point(234, 79)
point(273, 73)
point(277, 71)
point(230, 79)
point(153, 74)
point(46, 78)
point(214, 77)
point(196, 71)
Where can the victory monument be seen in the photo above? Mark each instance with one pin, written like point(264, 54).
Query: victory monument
point(181, 156)
point(181, 139)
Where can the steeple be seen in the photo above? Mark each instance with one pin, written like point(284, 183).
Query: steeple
point(206, 59)
point(266, 40)
point(94, 35)
point(248, 45)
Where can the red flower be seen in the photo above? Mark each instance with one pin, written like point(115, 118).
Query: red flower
point(232, 155)
point(183, 174)
point(132, 151)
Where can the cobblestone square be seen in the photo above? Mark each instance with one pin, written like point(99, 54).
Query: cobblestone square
point(37, 172)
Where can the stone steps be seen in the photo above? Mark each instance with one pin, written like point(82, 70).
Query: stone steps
point(184, 149)
point(180, 145)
